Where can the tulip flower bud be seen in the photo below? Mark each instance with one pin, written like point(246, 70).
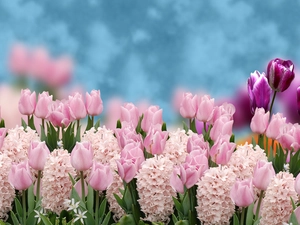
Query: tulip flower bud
point(2, 135)
point(101, 177)
point(277, 121)
point(189, 106)
point(43, 104)
point(82, 156)
point(280, 74)
point(37, 155)
point(78, 188)
point(27, 102)
point(130, 114)
point(127, 169)
point(221, 151)
point(297, 184)
point(242, 193)
point(260, 121)
point(20, 176)
point(259, 91)
point(152, 116)
point(94, 104)
point(77, 106)
point(205, 108)
point(155, 141)
point(262, 175)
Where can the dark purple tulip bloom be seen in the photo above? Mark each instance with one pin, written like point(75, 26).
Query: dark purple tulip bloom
point(280, 74)
point(259, 91)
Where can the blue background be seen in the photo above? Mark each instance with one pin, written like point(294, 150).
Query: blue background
point(146, 49)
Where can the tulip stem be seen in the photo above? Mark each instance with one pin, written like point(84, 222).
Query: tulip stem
point(272, 103)
point(24, 206)
point(243, 216)
point(82, 186)
point(43, 124)
point(38, 184)
point(92, 121)
point(97, 208)
point(258, 205)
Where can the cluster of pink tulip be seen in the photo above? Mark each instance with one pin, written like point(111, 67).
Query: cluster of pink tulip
point(36, 63)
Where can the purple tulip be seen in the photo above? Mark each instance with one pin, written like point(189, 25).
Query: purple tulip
point(259, 91)
point(280, 74)
point(298, 100)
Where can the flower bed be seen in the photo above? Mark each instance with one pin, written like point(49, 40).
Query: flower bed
point(142, 173)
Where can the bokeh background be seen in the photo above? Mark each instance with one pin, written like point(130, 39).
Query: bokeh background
point(146, 50)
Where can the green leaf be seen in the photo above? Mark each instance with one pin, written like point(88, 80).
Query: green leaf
point(138, 128)
point(186, 203)
point(45, 220)
point(31, 203)
point(89, 218)
point(178, 205)
point(295, 164)
point(19, 209)
point(14, 218)
point(2, 223)
point(182, 222)
point(127, 200)
point(249, 217)
point(185, 127)
point(235, 220)
point(102, 207)
point(193, 126)
point(119, 125)
point(23, 123)
point(293, 203)
point(164, 127)
point(31, 218)
point(106, 219)
point(97, 124)
point(31, 122)
point(127, 220)
point(72, 179)
point(90, 200)
point(293, 219)
point(174, 218)
point(120, 202)
point(2, 123)
point(89, 123)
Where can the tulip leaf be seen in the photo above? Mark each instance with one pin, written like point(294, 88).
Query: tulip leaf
point(19, 208)
point(31, 122)
point(72, 179)
point(102, 207)
point(89, 123)
point(97, 124)
point(185, 127)
point(14, 218)
point(127, 220)
point(2, 123)
point(120, 202)
point(174, 218)
point(119, 125)
point(164, 127)
point(178, 205)
point(51, 137)
point(293, 203)
point(45, 220)
point(3, 223)
point(89, 218)
point(138, 128)
point(127, 200)
point(106, 219)
point(294, 164)
point(293, 219)
point(30, 199)
point(235, 220)
point(186, 203)
point(90, 200)
point(182, 222)
point(31, 218)
point(249, 217)
point(279, 160)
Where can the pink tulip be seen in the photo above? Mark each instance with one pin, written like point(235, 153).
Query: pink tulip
point(60, 114)
point(40, 63)
point(198, 159)
point(101, 177)
point(155, 141)
point(189, 106)
point(93, 104)
point(242, 193)
point(263, 173)
point(297, 213)
point(175, 181)
point(126, 135)
point(286, 138)
point(42, 108)
point(129, 114)
point(222, 127)
point(221, 151)
point(152, 116)
point(127, 169)
point(59, 72)
point(296, 144)
point(78, 188)
point(19, 176)
point(27, 102)
point(297, 184)
point(82, 156)
point(205, 108)
point(133, 152)
point(2, 136)
point(260, 121)
point(273, 130)
point(37, 155)
point(19, 59)
point(196, 142)
point(77, 106)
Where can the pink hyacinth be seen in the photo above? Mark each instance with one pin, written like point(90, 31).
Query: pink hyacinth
point(17, 142)
point(7, 192)
point(244, 159)
point(277, 206)
point(154, 189)
point(213, 207)
point(56, 181)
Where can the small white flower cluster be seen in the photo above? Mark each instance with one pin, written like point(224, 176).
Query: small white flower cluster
point(71, 205)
